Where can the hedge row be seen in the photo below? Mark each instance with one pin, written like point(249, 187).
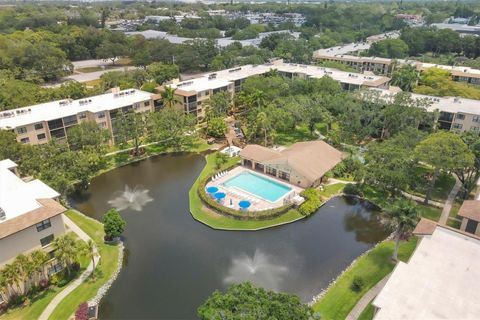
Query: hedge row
point(238, 214)
point(312, 202)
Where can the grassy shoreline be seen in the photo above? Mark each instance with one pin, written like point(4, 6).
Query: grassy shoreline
point(104, 270)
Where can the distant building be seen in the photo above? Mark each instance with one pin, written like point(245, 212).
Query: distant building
point(302, 164)
point(191, 94)
point(410, 19)
point(30, 216)
point(440, 281)
point(455, 114)
point(41, 123)
point(460, 28)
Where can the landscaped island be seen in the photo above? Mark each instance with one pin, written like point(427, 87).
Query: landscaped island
point(262, 188)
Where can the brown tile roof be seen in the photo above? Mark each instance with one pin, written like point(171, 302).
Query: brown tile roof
point(49, 209)
point(470, 209)
point(311, 158)
point(425, 227)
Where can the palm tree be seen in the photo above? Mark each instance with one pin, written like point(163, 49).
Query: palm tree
point(25, 269)
point(168, 96)
point(90, 250)
point(405, 77)
point(66, 250)
point(4, 288)
point(403, 217)
point(38, 257)
point(264, 123)
point(11, 276)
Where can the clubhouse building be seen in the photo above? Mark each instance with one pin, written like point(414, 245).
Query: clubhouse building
point(302, 164)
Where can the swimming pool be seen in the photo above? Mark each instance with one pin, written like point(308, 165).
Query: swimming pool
point(259, 186)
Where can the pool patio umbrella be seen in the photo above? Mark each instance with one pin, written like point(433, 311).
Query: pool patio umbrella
point(244, 204)
point(219, 195)
point(212, 190)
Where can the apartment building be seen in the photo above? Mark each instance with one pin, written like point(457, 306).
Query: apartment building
point(41, 123)
point(30, 216)
point(385, 66)
point(191, 94)
point(455, 114)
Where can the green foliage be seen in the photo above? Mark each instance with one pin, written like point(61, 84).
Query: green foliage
point(405, 77)
point(216, 128)
point(353, 189)
point(389, 48)
point(244, 301)
point(403, 217)
point(312, 202)
point(67, 251)
point(87, 135)
point(220, 159)
point(161, 72)
point(113, 224)
point(357, 284)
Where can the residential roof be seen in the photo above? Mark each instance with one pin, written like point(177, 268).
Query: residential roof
point(445, 104)
point(440, 281)
point(62, 108)
point(424, 227)
point(312, 159)
point(222, 78)
point(48, 208)
point(470, 209)
point(17, 196)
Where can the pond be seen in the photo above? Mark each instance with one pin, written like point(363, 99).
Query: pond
point(173, 263)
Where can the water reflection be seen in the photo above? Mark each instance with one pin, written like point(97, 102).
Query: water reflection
point(258, 269)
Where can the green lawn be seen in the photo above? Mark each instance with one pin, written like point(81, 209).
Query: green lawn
point(331, 190)
point(442, 188)
point(454, 220)
point(367, 313)
point(221, 222)
point(35, 309)
point(89, 69)
point(340, 299)
point(301, 133)
point(104, 270)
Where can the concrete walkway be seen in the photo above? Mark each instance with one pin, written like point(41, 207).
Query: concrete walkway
point(421, 199)
point(365, 300)
point(72, 286)
point(450, 201)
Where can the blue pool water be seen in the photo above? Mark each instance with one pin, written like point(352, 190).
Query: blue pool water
point(257, 185)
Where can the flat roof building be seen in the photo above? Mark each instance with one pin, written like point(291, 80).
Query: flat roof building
point(40, 123)
point(193, 92)
point(440, 281)
point(456, 114)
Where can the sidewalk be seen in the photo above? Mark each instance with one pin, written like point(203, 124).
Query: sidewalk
point(72, 286)
point(365, 300)
point(449, 203)
point(421, 199)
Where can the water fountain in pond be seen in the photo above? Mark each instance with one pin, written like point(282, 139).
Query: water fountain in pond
point(133, 199)
point(258, 269)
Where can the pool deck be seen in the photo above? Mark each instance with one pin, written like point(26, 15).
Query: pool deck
point(258, 204)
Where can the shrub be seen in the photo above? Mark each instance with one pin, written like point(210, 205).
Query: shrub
point(43, 284)
point(82, 312)
point(113, 224)
point(353, 189)
point(312, 202)
point(357, 284)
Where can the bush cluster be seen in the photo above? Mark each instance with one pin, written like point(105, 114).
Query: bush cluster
point(353, 189)
point(312, 202)
point(357, 284)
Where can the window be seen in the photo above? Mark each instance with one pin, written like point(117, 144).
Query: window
point(476, 119)
point(43, 225)
point(102, 124)
point(25, 140)
point(46, 241)
point(271, 171)
point(460, 116)
point(41, 136)
point(475, 129)
point(21, 130)
point(147, 103)
point(284, 175)
point(51, 254)
point(38, 126)
point(457, 126)
point(70, 120)
point(82, 115)
point(55, 268)
point(55, 124)
point(101, 115)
